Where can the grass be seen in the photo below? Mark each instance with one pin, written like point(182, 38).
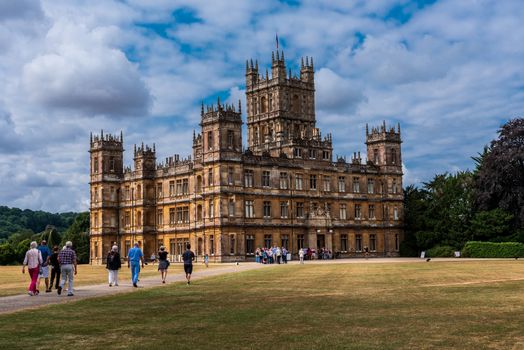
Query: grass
point(12, 281)
point(438, 305)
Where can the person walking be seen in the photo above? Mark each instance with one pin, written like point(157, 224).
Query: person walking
point(188, 258)
point(68, 268)
point(55, 268)
point(113, 264)
point(278, 253)
point(206, 260)
point(134, 258)
point(301, 255)
point(44, 268)
point(163, 263)
point(284, 255)
point(33, 260)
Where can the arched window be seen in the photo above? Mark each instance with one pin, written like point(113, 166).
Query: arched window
point(199, 184)
point(296, 104)
point(199, 212)
point(256, 137)
point(263, 105)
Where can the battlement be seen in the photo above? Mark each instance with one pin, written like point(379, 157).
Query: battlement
point(383, 133)
point(221, 112)
point(144, 151)
point(278, 72)
point(107, 141)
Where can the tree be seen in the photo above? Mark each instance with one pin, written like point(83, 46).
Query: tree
point(78, 234)
point(499, 178)
point(491, 225)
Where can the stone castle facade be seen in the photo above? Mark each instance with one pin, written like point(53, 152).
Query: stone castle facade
point(284, 189)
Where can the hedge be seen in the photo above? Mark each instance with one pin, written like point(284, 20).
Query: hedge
point(441, 252)
point(493, 250)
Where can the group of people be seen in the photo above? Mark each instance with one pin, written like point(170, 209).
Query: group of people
point(271, 255)
point(63, 264)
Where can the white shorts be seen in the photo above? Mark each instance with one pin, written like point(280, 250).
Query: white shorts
point(44, 272)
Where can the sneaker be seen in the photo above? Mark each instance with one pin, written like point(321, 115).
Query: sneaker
point(134, 285)
point(59, 290)
point(110, 285)
point(37, 292)
point(70, 294)
point(48, 290)
point(30, 293)
point(163, 281)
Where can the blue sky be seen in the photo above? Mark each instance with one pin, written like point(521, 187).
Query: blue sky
point(451, 72)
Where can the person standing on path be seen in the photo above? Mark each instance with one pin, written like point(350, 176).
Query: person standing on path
point(163, 263)
point(68, 267)
point(55, 268)
point(188, 258)
point(44, 269)
point(206, 260)
point(134, 258)
point(301, 255)
point(113, 264)
point(33, 260)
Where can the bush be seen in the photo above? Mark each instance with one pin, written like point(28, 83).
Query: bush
point(444, 251)
point(493, 250)
point(7, 254)
point(408, 249)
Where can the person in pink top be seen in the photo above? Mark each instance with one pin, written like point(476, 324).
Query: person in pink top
point(33, 260)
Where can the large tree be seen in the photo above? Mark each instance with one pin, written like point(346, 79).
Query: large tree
point(499, 178)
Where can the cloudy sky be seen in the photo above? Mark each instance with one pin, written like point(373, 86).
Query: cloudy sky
point(451, 72)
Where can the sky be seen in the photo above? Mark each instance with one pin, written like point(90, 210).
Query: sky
point(450, 72)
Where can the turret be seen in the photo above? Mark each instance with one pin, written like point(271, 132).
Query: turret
point(251, 73)
point(307, 71)
point(383, 146)
point(278, 66)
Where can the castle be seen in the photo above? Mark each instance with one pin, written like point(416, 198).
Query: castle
point(284, 189)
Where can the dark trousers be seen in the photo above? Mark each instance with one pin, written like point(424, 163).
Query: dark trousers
point(55, 273)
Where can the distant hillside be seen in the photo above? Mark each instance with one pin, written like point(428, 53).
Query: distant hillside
point(13, 220)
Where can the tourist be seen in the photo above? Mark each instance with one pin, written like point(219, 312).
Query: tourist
point(366, 252)
point(257, 255)
point(55, 268)
point(206, 260)
point(134, 258)
point(44, 268)
point(163, 263)
point(284, 255)
point(270, 255)
point(301, 255)
point(188, 258)
point(264, 256)
point(68, 267)
point(33, 260)
point(113, 264)
point(278, 253)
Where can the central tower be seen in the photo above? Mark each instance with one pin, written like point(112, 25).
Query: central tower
point(281, 110)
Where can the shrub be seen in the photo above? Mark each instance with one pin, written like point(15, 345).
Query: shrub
point(493, 250)
point(444, 251)
point(408, 249)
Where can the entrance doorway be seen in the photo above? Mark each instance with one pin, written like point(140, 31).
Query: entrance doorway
point(321, 241)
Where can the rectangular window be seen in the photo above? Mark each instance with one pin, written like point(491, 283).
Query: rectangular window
point(231, 244)
point(371, 186)
point(376, 159)
point(127, 219)
point(267, 209)
point(111, 164)
point(95, 194)
point(95, 165)
point(356, 185)
point(344, 243)
point(185, 186)
point(185, 214)
point(230, 176)
point(210, 140)
point(371, 211)
point(397, 242)
point(171, 216)
point(343, 212)
point(312, 182)
point(179, 216)
point(373, 243)
point(312, 154)
point(299, 179)
point(357, 212)
point(395, 213)
point(283, 181)
point(284, 209)
point(285, 241)
point(268, 241)
point(248, 178)
point(265, 178)
point(325, 155)
point(210, 177)
point(127, 193)
point(171, 188)
point(358, 243)
point(212, 245)
point(300, 241)
point(250, 244)
point(160, 217)
point(159, 190)
point(297, 152)
point(250, 210)
point(341, 184)
point(327, 183)
point(231, 207)
point(230, 139)
point(300, 209)
point(179, 187)
point(211, 208)
point(394, 186)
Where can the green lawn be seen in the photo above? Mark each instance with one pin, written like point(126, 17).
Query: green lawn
point(436, 305)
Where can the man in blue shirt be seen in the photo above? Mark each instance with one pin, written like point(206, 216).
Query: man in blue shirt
point(134, 257)
point(188, 258)
point(44, 268)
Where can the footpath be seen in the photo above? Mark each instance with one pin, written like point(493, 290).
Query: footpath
point(16, 303)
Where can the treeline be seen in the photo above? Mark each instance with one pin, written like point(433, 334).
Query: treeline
point(13, 248)
point(486, 204)
point(13, 220)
